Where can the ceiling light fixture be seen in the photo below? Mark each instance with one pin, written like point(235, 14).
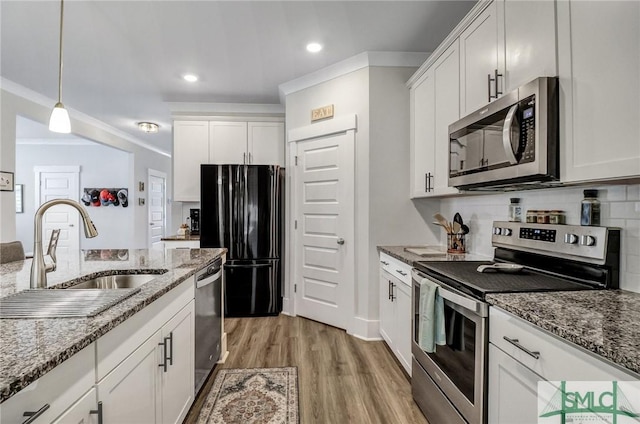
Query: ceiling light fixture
point(190, 78)
point(59, 121)
point(148, 127)
point(314, 47)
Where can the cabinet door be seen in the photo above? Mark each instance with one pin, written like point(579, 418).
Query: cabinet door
point(402, 304)
point(529, 40)
point(513, 390)
point(446, 73)
point(478, 60)
point(178, 380)
point(227, 142)
point(599, 69)
point(131, 392)
point(386, 308)
point(265, 143)
point(190, 150)
point(80, 412)
point(422, 119)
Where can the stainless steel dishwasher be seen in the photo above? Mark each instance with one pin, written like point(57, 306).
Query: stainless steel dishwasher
point(208, 320)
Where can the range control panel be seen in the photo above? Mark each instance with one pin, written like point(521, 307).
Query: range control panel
point(554, 240)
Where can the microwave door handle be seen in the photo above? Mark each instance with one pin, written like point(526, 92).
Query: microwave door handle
point(506, 135)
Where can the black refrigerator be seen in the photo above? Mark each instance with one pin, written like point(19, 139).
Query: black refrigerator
point(242, 210)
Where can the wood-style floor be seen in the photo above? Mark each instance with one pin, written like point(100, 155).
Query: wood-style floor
point(342, 379)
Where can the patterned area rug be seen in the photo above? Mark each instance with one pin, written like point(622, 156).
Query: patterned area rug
point(252, 396)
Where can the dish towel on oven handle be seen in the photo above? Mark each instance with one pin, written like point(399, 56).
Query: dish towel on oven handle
point(431, 330)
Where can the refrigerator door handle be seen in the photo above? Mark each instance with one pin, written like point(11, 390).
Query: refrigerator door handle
point(248, 266)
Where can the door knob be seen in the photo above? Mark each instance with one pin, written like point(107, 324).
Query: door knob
point(340, 241)
point(70, 225)
point(151, 224)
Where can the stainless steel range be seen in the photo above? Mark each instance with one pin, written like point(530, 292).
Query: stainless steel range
point(450, 383)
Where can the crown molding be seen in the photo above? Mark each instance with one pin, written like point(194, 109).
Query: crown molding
point(75, 115)
point(55, 141)
point(354, 63)
point(180, 109)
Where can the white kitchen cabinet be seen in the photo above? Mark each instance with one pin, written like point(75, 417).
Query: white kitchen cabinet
point(599, 70)
point(395, 308)
point(434, 106)
point(181, 244)
point(84, 411)
point(521, 354)
point(265, 143)
point(227, 142)
point(158, 375)
point(190, 149)
point(54, 392)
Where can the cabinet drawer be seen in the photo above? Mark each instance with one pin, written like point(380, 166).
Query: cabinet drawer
point(59, 388)
point(397, 268)
point(557, 359)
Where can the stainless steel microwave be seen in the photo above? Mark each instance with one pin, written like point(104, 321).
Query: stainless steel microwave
point(511, 142)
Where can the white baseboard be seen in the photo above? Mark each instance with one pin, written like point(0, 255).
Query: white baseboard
point(365, 329)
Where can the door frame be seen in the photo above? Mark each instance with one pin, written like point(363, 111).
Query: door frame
point(71, 169)
point(159, 174)
point(348, 125)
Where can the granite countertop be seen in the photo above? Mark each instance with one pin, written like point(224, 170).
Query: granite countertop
point(176, 237)
point(401, 254)
point(605, 322)
point(29, 348)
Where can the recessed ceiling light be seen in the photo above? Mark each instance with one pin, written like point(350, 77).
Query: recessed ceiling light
point(190, 77)
point(148, 127)
point(314, 47)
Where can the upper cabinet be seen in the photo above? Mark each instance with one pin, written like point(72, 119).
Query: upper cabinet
point(599, 70)
point(506, 45)
point(221, 142)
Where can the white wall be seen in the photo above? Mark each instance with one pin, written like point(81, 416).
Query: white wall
point(620, 207)
point(12, 105)
point(100, 166)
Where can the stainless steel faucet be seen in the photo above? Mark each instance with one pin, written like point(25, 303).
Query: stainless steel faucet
point(38, 268)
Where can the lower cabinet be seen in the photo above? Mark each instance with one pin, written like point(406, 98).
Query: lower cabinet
point(84, 411)
point(395, 317)
point(155, 384)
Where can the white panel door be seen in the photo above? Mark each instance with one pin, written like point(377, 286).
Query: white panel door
point(61, 185)
point(325, 236)
point(157, 214)
point(190, 150)
point(421, 127)
point(386, 308)
point(402, 304)
point(80, 412)
point(227, 142)
point(266, 143)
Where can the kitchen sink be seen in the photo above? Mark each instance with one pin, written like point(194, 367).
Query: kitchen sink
point(125, 281)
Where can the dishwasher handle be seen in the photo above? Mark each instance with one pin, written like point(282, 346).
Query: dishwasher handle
point(209, 275)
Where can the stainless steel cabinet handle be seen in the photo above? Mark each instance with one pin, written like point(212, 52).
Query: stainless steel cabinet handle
point(98, 411)
point(495, 81)
point(34, 415)
point(384, 263)
point(170, 338)
point(404, 274)
point(516, 343)
point(389, 288)
point(498, 93)
point(164, 354)
point(392, 295)
point(340, 241)
point(489, 96)
point(244, 158)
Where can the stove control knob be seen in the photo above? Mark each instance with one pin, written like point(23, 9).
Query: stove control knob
point(570, 238)
point(497, 231)
point(588, 240)
point(506, 231)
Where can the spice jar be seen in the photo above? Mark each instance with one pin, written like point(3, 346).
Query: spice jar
point(590, 209)
point(532, 216)
point(543, 217)
point(515, 210)
point(556, 217)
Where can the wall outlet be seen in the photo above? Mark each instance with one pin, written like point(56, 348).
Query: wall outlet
point(141, 201)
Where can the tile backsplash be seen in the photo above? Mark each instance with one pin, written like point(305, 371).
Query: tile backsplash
point(620, 207)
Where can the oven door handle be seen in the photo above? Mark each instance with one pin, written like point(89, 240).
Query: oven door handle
point(451, 295)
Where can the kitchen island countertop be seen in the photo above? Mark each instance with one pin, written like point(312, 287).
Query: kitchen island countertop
point(401, 254)
point(29, 348)
point(604, 322)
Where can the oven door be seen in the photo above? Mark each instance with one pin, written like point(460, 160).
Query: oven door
point(458, 368)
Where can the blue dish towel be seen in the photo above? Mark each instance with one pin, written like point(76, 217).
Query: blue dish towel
point(431, 330)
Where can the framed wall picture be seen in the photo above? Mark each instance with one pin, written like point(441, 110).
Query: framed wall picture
point(19, 198)
point(6, 181)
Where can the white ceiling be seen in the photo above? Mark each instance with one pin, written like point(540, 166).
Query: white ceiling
point(123, 60)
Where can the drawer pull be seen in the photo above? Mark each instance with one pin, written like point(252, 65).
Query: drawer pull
point(384, 263)
point(34, 415)
point(97, 412)
point(404, 274)
point(516, 343)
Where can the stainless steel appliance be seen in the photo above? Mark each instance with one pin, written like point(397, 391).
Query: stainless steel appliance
point(450, 384)
point(510, 143)
point(208, 305)
point(242, 211)
point(194, 219)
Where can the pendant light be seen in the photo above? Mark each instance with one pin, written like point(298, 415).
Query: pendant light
point(59, 121)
